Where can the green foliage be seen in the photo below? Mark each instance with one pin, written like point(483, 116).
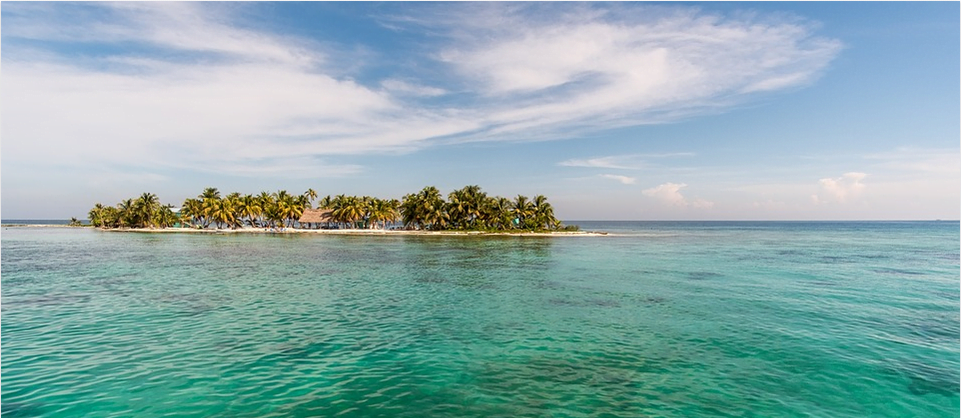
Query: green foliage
point(470, 209)
point(466, 209)
point(142, 212)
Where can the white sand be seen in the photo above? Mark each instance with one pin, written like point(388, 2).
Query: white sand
point(249, 230)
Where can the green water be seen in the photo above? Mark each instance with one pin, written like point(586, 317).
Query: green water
point(659, 319)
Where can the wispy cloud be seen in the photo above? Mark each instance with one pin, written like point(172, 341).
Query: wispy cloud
point(622, 179)
point(194, 85)
point(600, 162)
point(403, 87)
point(602, 66)
point(937, 161)
point(624, 162)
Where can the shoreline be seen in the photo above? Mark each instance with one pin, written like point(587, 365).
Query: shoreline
point(249, 230)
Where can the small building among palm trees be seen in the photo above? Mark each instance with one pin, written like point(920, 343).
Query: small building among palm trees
point(316, 216)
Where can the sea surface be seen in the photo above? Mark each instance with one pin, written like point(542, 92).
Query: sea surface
point(661, 319)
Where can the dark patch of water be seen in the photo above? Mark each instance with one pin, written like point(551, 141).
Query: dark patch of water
point(654, 300)
point(603, 303)
point(550, 285)
point(431, 279)
point(927, 379)
point(821, 283)
point(703, 275)
point(897, 272)
point(50, 299)
point(836, 259)
point(21, 409)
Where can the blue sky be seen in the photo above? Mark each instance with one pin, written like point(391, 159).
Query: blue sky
point(613, 110)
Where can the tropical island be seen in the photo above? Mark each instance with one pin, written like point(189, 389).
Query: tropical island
point(467, 210)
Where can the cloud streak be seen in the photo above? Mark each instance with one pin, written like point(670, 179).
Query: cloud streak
point(195, 86)
point(623, 162)
point(590, 67)
point(621, 179)
point(936, 161)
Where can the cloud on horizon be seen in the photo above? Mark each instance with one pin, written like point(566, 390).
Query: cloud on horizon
point(194, 86)
point(670, 194)
point(840, 189)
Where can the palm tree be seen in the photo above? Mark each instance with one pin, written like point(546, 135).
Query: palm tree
point(210, 193)
point(248, 208)
point(431, 208)
point(232, 206)
point(408, 211)
point(192, 211)
point(544, 213)
point(467, 208)
point(272, 215)
point(267, 208)
point(325, 203)
point(225, 212)
point(146, 207)
point(209, 209)
point(457, 209)
point(390, 212)
point(499, 213)
point(383, 211)
point(311, 194)
point(290, 208)
point(210, 200)
point(297, 210)
point(523, 210)
point(125, 215)
point(464, 206)
point(111, 217)
point(436, 217)
point(166, 217)
point(74, 222)
point(96, 216)
point(348, 210)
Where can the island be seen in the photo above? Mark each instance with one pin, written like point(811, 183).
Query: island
point(467, 211)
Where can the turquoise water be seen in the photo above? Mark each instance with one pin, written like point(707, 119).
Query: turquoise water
point(659, 319)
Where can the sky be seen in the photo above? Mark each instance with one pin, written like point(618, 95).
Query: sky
point(614, 111)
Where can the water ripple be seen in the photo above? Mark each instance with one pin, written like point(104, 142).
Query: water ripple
point(718, 324)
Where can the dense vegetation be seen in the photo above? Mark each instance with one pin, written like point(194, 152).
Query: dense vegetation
point(467, 209)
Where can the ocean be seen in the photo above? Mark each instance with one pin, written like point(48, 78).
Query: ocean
point(666, 319)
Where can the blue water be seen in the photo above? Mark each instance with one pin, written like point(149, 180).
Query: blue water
point(656, 319)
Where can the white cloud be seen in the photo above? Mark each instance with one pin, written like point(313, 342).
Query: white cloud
point(179, 27)
point(670, 194)
point(601, 162)
point(622, 179)
point(624, 162)
point(222, 94)
point(403, 87)
point(840, 189)
point(256, 101)
point(612, 66)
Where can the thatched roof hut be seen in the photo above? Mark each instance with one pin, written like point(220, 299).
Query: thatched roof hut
point(316, 216)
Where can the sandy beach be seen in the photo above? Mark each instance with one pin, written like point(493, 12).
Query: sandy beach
point(249, 230)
